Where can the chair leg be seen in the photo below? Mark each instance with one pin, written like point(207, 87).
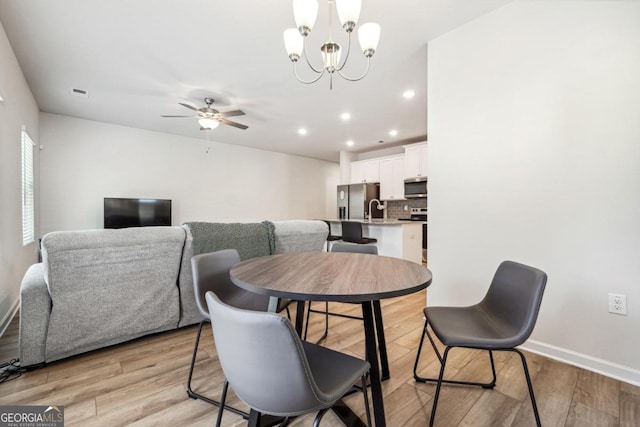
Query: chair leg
point(326, 322)
point(415, 365)
point(492, 384)
point(528, 377)
point(420, 379)
point(366, 400)
point(306, 325)
point(318, 418)
point(437, 394)
point(192, 394)
point(223, 399)
point(190, 391)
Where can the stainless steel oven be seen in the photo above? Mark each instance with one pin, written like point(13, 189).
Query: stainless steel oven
point(415, 188)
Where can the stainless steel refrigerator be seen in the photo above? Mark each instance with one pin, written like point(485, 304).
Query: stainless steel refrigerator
point(353, 201)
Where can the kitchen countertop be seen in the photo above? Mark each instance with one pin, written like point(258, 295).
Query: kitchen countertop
point(380, 221)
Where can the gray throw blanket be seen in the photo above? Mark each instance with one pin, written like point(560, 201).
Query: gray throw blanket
point(251, 240)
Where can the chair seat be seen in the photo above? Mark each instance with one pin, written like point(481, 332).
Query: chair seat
point(352, 233)
point(470, 327)
point(250, 301)
point(333, 372)
point(366, 240)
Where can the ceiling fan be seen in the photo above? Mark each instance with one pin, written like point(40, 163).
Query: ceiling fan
point(209, 118)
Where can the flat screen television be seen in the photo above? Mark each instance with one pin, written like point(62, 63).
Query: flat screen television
point(122, 213)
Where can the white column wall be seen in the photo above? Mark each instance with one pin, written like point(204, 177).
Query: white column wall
point(534, 156)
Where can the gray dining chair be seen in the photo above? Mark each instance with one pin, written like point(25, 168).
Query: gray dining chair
point(338, 247)
point(211, 273)
point(503, 320)
point(273, 371)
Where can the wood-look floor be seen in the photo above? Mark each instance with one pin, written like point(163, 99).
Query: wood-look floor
point(142, 382)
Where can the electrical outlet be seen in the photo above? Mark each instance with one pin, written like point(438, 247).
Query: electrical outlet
point(406, 207)
point(618, 304)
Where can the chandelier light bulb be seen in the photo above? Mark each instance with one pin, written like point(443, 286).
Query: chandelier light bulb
point(294, 43)
point(348, 12)
point(369, 36)
point(305, 13)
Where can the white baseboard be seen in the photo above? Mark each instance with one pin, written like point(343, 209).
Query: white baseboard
point(600, 366)
point(6, 320)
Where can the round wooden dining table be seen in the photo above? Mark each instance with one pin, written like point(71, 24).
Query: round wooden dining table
point(338, 277)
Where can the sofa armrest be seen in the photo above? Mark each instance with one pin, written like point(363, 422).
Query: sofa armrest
point(35, 309)
point(189, 313)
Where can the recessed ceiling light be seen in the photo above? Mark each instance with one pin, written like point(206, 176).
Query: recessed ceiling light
point(408, 94)
point(393, 132)
point(302, 131)
point(350, 143)
point(345, 116)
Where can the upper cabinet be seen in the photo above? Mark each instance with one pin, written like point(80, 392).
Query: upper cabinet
point(415, 160)
point(392, 178)
point(365, 171)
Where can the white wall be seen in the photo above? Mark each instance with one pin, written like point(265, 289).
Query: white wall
point(534, 145)
point(84, 161)
point(19, 108)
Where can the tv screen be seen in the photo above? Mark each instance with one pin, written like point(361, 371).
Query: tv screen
point(122, 213)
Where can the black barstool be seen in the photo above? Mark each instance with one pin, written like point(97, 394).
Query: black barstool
point(331, 237)
point(352, 233)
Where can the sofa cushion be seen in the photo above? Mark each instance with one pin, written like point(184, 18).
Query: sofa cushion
point(300, 236)
point(109, 286)
point(251, 240)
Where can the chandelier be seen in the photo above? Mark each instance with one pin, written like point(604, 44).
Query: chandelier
point(305, 13)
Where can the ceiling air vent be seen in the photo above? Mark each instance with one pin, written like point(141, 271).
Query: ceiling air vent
point(79, 92)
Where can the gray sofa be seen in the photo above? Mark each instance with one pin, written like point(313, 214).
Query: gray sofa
point(96, 288)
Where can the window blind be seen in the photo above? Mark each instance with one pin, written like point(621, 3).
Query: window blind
point(28, 208)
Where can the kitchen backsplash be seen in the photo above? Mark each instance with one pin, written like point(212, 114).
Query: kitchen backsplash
point(395, 209)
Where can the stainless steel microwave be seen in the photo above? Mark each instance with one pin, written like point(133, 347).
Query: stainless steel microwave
point(415, 188)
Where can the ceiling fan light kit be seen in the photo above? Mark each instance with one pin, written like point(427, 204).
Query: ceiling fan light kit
point(305, 13)
point(208, 124)
point(210, 118)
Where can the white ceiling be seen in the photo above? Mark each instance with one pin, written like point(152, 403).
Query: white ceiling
point(139, 58)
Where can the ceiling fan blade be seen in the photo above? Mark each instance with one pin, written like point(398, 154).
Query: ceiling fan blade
point(191, 107)
point(234, 124)
point(232, 113)
point(178, 116)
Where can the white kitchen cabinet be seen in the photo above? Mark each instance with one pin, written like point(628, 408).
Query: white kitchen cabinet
point(392, 178)
point(415, 160)
point(365, 171)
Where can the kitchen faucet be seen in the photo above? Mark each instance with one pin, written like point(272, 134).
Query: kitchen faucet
point(380, 207)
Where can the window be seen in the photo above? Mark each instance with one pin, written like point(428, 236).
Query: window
point(28, 209)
